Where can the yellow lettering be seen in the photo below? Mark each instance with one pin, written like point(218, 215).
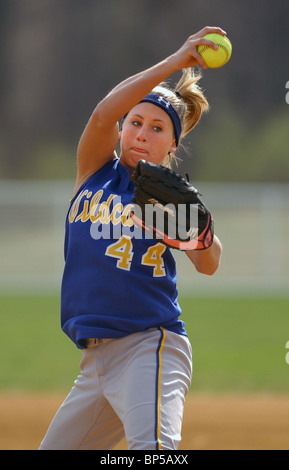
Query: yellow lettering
point(153, 257)
point(94, 204)
point(84, 215)
point(104, 210)
point(117, 208)
point(122, 250)
point(75, 206)
point(125, 218)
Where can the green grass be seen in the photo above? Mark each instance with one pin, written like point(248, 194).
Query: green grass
point(35, 354)
point(238, 344)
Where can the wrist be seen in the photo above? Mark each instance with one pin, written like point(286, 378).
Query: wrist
point(174, 63)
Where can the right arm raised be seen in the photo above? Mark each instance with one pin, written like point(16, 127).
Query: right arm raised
point(100, 136)
point(99, 139)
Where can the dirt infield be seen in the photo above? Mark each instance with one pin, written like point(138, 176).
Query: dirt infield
point(211, 422)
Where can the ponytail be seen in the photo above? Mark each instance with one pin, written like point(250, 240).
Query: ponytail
point(192, 95)
point(188, 100)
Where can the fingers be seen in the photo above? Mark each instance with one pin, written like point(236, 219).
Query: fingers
point(212, 29)
point(206, 42)
point(188, 55)
point(194, 43)
point(199, 40)
point(199, 59)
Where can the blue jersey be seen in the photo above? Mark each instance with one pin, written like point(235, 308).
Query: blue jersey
point(115, 282)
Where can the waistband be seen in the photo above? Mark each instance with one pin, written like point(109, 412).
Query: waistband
point(93, 342)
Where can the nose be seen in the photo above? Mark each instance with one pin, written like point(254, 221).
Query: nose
point(142, 134)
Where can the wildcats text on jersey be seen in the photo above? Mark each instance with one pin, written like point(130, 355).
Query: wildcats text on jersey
point(109, 218)
point(106, 211)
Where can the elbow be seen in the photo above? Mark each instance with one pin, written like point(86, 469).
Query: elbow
point(105, 113)
point(212, 270)
point(98, 114)
point(208, 270)
point(209, 265)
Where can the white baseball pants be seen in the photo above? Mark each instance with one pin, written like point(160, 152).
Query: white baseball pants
point(132, 387)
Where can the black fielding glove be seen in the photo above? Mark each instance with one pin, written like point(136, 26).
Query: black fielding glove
point(168, 208)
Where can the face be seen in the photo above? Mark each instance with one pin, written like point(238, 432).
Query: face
point(147, 134)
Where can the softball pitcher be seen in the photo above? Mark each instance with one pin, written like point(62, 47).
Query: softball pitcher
point(119, 299)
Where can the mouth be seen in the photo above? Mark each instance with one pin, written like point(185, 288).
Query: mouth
point(140, 151)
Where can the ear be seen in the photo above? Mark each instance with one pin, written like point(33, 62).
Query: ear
point(173, 147)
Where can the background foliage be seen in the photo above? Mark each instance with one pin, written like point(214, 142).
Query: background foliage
point(59, 58)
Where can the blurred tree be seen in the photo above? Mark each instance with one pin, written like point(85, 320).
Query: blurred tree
point(61, 57)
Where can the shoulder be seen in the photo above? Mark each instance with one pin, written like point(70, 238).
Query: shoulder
point(107, 167)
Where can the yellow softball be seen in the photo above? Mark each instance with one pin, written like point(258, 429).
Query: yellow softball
point(219, 57)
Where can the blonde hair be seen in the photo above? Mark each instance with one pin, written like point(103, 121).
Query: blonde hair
point(188, 100)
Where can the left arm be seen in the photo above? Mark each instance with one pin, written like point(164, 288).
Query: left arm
point(207, 261)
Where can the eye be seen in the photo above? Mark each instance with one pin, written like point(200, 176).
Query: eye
point(157, 129)
point(136, 123)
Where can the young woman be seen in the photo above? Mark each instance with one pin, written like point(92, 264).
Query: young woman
point(119, 296)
